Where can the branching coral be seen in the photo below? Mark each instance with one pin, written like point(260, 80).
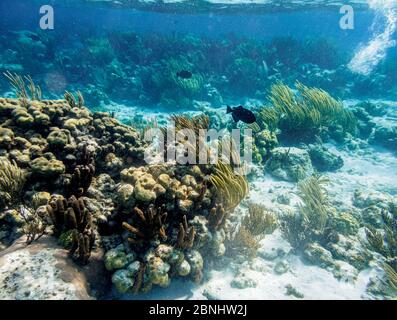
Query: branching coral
point(150, 224)
point(139, 277)
point(82, 175)
point(57, 210)
point(185, 235)
point(32, 92)
point(385, 242)
point(314, 209)
point(259, 221)
point(375, 240)
point(217, 217)
point(35, 225)
point(195, 123)
point(81, 179)
point(71, 216)
point(391, 276)
point(304, 115)
point(231, 187)
point(244, 243)
point(313, 221)
point(72, 101)
point(294, 230)
point(12, 181)
point(252, 230)
point(82, 243)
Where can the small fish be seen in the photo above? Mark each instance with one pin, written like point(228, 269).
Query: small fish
point(184, 74)
point(241, 114)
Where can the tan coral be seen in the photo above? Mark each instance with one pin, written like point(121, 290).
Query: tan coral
point(22, 158)
point(59, 138)
point(186, 235)
point(22, 117)
point(150, 224)
point(47, 168)
point(6, 137)
point(146, 188)
point(231, 188)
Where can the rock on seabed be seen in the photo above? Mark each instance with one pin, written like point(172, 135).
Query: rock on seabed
point(43, 271)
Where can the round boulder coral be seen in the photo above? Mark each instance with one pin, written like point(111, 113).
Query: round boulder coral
point(125, 195)
point(158, 271)
point(290, 164)
point(122, 280)
point(184, 268)
point(6, 137)
point(115, 259)
point(40, 199)
point(58, 138)
point(47, 168)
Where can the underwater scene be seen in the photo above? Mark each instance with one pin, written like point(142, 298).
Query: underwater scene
point(203, 150)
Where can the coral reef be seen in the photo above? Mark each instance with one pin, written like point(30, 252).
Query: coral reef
point(254, 227)
point(233, 67)
point(52, 145)
point(180, 225)
point(31, 92)
point(155, 221)
point(311, 223)
point(305, 115)
point(231, 187)
point(12, 181)
point(323, 159)
point(72, 217)
point(78, 177)
point(152, 225)
point(291, 164)
point(265, 142)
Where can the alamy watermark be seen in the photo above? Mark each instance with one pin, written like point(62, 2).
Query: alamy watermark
point(47, 18)
point(346, 22)
point(187, 146)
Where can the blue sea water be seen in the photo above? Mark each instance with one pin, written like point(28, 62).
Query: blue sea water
point(76, 22)
point(78, 19)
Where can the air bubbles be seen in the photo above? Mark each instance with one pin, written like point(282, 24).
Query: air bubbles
point(369, 55)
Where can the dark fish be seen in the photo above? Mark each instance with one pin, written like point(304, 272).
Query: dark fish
point(184, 74)
point(241, 114)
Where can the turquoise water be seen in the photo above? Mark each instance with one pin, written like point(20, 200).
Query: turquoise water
point(86, 40)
